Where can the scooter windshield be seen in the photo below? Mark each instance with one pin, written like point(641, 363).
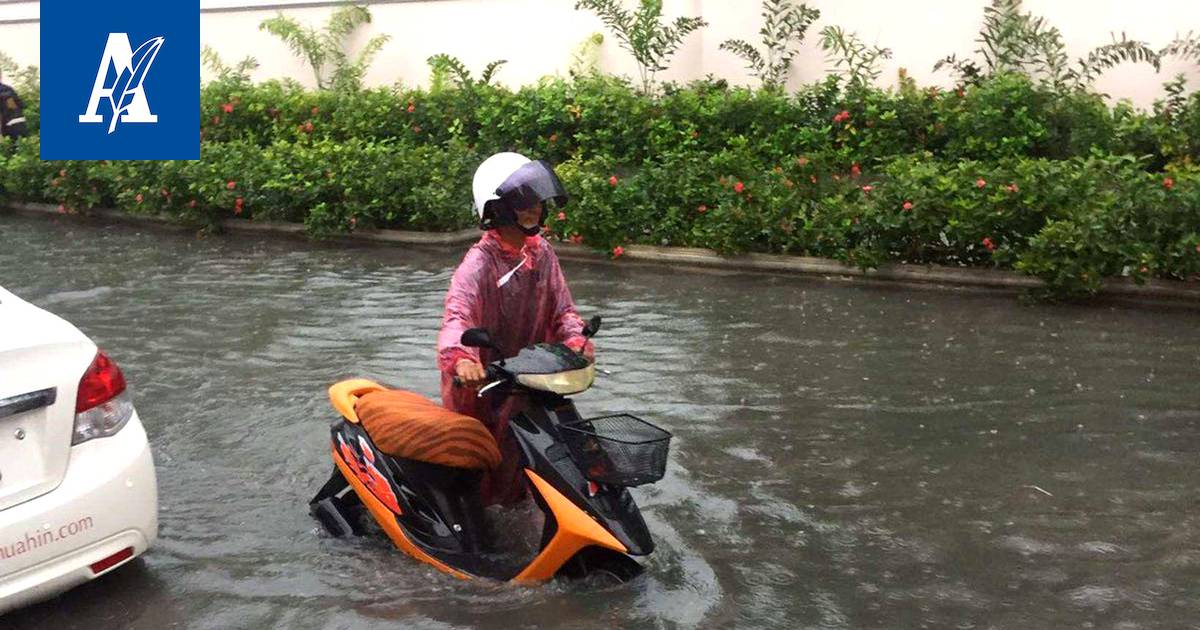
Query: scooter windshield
point(533, 183)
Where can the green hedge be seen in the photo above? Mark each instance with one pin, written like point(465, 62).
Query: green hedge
point(1005, 174)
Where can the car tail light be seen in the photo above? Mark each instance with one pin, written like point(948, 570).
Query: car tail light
point(111, 561)
point(102, 406)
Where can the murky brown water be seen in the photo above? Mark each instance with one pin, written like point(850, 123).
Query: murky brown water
point(844, 457)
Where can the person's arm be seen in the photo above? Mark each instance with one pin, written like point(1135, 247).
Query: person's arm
point(567, 327)
point(462, 308)
point(8, 97)
point(12, 117)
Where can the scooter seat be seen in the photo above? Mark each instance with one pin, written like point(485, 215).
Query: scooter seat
point(408, 425)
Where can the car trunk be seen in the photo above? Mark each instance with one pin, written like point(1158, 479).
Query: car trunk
point(42, 358)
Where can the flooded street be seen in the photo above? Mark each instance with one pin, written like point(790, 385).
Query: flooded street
point(843, 456)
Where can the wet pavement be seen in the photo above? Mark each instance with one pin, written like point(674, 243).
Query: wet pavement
point(844, 456)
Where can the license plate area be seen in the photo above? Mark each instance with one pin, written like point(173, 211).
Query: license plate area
point(23, 466)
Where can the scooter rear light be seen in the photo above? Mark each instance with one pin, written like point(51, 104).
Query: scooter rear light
point(102, 406)
point(112, 561)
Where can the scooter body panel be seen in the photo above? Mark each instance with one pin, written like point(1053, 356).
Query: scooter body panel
point(546, 455)
point(431, 512)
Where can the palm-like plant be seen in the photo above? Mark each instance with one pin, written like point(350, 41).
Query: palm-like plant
point(325, 50)
point(641, 33)
point(784, 24)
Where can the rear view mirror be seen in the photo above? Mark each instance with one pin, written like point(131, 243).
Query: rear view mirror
point(477, 338)
point(593, 327)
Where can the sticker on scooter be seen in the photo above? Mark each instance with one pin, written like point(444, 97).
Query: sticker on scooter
point(366, 472)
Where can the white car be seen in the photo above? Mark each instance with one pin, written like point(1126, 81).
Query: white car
point(78, 493)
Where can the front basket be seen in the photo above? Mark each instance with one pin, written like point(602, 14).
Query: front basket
point(619, 450)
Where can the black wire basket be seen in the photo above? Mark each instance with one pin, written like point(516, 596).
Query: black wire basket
point(618, 450)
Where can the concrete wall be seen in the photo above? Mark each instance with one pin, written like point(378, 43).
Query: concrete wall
point(537, 36)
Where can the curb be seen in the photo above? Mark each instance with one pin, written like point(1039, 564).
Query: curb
point(259, 227)
point(917, 276)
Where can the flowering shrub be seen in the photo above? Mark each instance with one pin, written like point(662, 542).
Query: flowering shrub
point(1004, 173)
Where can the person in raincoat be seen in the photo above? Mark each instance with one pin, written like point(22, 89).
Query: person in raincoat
point(12, 112)
point(509, 283)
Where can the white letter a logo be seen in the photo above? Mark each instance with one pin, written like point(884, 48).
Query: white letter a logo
point(125, 95)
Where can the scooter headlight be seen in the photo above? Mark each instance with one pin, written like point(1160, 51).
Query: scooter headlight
point(562, 383)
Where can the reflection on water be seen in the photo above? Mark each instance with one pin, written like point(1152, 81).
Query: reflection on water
point(844, 457)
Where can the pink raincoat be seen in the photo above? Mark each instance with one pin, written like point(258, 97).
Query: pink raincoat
point(532, 305)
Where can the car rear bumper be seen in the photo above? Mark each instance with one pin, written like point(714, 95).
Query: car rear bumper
point(107, 502)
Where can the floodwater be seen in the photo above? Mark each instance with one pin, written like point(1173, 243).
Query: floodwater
point(845, 457)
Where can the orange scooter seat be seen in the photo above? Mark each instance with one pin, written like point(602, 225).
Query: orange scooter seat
point(408, 425)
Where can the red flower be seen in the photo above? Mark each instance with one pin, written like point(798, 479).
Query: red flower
point(908, 205)
point(416, 128)
point(1145, 269)
point(842, 117)
point(868, 189)
point(980, 183)
point(308, 127)
point(315, 110)
point(63, 210)
point(855, 170)
point(1169, 183)
point(237, 205)
point(411, 108)
point(138, 197)
point(575, 238)
point(739, 187)
point(703, 208)
point(612, 181)
point(802, 161)
point(192, 203)
point(562, 216)
point(231, 184)
point(813, 179)
point(1013, 188)
point(618, 251)
point(228, 108)
point(987, 243)
point(353, 221)
point(960, 92)
point(166, 193)
point(553, 137)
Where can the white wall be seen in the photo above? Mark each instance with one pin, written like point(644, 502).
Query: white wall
point(537, 36)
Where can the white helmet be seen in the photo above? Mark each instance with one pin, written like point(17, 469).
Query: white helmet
point(507, 182)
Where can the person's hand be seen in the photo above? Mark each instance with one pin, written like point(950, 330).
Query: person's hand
point(470, 373)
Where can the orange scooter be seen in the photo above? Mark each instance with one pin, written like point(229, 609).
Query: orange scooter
point(417, 471)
